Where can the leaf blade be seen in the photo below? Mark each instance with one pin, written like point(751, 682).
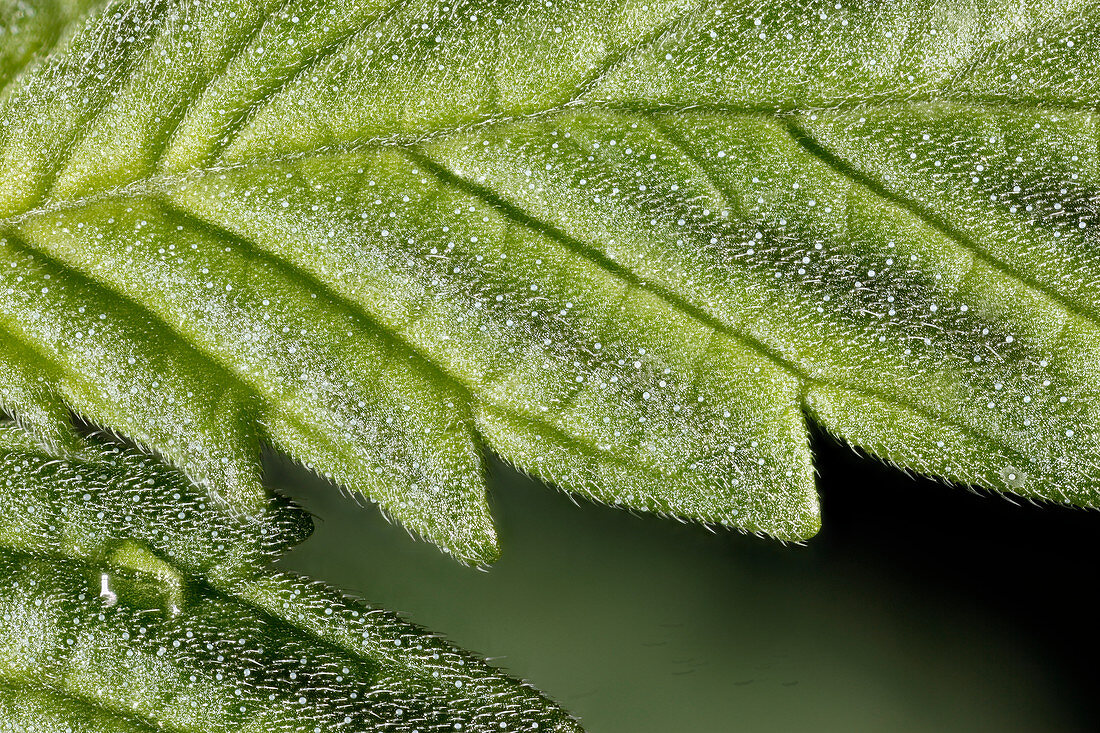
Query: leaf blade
point(136, 599)
point(385, 156)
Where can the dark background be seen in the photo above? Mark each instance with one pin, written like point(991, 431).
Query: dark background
point(920, 606)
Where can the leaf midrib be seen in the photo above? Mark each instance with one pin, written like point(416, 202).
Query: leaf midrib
point(782, 113)
point(940, 93)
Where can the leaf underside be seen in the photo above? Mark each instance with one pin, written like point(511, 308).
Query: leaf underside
point(135, 603)
point(632, 247)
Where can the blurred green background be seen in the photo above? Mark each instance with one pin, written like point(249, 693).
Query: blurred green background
point(919, 608)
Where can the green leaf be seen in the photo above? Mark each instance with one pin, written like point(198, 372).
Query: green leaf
point(133, 602)
point(632, 247)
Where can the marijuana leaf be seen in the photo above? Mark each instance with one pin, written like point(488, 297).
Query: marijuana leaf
point(633, 247)
point(135, 603)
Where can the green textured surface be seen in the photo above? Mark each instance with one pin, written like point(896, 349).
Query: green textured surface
point(632, 247)
point(133, 602)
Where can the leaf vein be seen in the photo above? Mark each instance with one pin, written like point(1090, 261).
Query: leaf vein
point(831, 158)
point(195, 96)
point(772, 354)
point(243, 118)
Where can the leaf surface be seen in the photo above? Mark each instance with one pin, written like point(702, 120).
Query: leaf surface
point(134, 602)
point(632, 247)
